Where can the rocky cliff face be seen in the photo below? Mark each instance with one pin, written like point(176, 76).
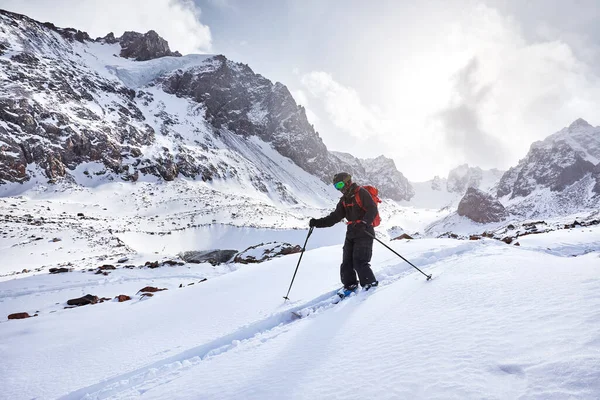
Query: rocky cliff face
point(46, 116)
point(238, 100)
point(74, 108)
point(481, 207)
point(143, 47)
point(559, 161)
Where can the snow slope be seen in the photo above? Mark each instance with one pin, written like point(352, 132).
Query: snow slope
point(496, 322)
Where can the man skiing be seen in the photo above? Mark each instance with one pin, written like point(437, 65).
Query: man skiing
point(358, 246)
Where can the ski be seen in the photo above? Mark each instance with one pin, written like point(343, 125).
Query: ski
point(338, 296)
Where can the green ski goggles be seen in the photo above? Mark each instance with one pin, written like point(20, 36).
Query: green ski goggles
point(340, 185)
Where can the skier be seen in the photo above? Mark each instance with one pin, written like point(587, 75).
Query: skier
point(358, 246)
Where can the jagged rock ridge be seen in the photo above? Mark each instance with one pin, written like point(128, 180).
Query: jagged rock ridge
point(59, 111)
point(558, 176)
point(138, 46)
point(558, 161)
point(142, 47)
point(463, 177)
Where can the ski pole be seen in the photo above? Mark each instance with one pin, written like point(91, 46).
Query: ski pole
point(310, 231)
point(393, 251)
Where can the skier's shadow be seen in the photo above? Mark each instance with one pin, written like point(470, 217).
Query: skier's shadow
point(309, 346)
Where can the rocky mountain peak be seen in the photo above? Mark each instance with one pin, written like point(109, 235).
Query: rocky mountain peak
point(565, 163)
point(202, 117)
point(578, 124)
point(463, 177)
point(108, 39)
point(143, 47)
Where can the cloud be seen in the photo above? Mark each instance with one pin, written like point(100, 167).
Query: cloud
point(461, 121)
point(178, 21)
point(478, 89)
point(223, 4)
point(343, 106)
point(512, 91)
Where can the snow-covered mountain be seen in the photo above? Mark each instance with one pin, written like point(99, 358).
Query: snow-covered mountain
point(447, 192)
point(124, 165)
point(90, 111)
point(558, 176)
point(380, 172)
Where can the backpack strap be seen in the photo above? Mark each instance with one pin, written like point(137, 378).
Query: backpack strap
point(357, 197)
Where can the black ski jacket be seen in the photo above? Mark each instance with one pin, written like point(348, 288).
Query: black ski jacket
point(349, 209)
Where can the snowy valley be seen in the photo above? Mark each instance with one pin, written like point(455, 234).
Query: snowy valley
point(154, 205)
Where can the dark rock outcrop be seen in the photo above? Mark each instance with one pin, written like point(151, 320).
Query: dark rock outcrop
point(265, 251)
point(143, 47)
point(21, 315)
point(58, 270)
point(122, 297)
point(83, 301)
point(557, 162)
point(214, 257)
point(150, 289)
point(481, 207)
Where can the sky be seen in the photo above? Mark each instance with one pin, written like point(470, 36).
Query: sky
point(431, 84)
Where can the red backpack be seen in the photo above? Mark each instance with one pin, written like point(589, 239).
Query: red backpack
point(375, 195)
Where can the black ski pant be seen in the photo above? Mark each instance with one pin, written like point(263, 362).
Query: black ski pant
point(358, 249)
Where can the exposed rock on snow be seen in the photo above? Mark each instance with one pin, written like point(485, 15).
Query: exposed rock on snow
point(83, 301)
point(122, 297)
point(266, 251)
point(214, 257)
point(152, 264)
point(404, 236)
point(481, 207)
point(58, 270)
point(150, 289)
point(21, 315)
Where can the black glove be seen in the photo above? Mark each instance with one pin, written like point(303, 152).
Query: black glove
point(312, 223)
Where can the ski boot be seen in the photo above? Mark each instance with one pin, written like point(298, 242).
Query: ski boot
point(370, 285)
point(347, 291)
